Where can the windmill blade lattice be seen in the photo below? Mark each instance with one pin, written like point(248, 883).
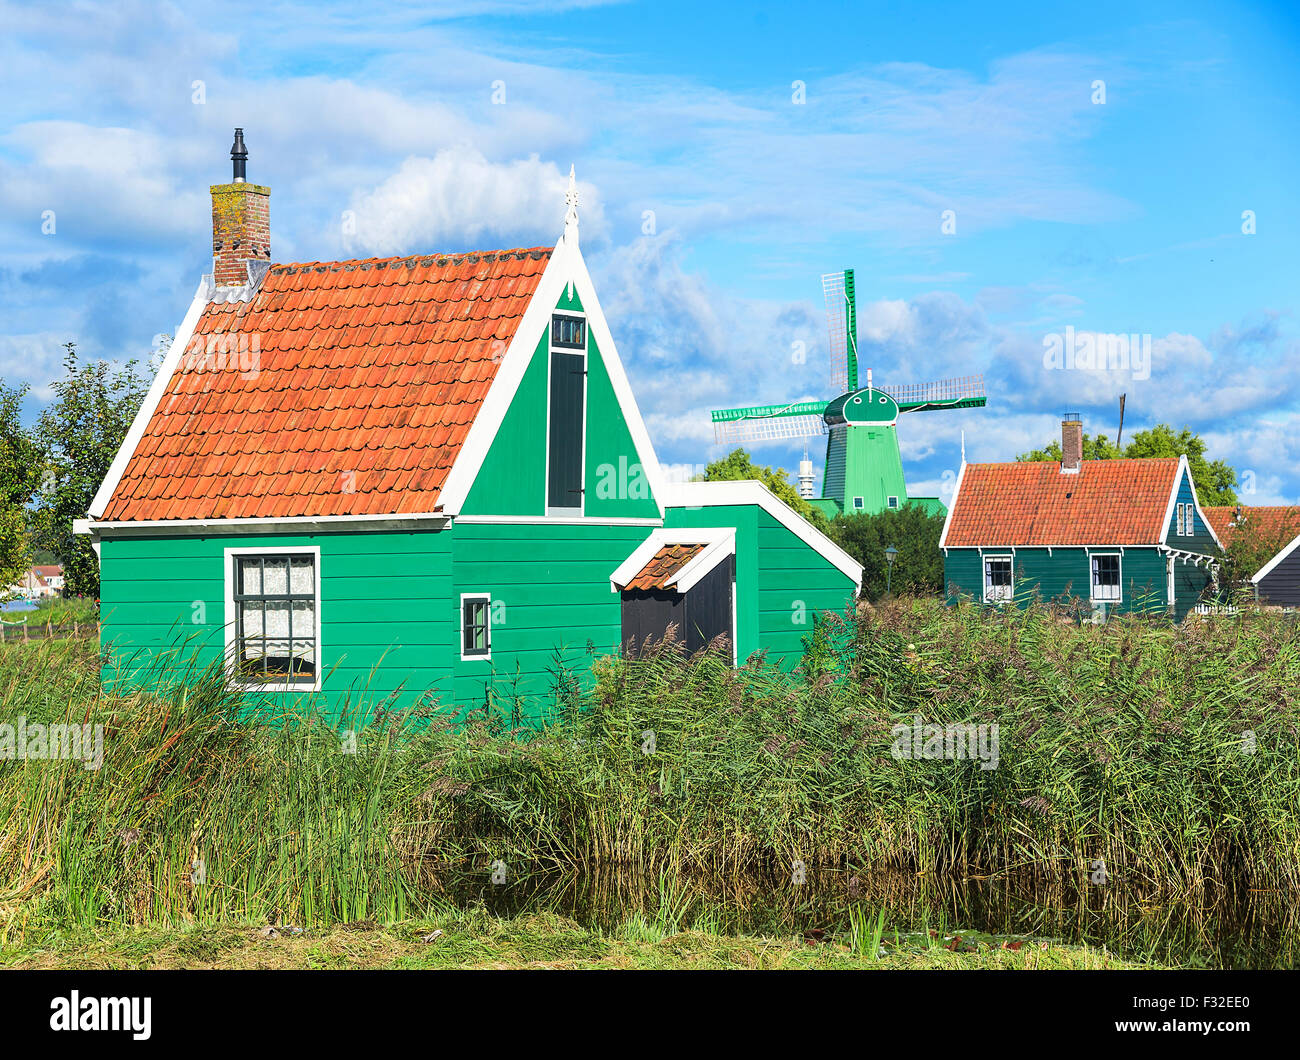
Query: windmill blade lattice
point(767, 423)
point(842, 328)
point(966, 391)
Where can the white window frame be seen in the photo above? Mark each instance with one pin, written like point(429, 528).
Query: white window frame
point(460, 626)
point(984, 577)
point(891, 503)
point(1092, 583)
point(578, 510)
point(229, 556)
point(859, 504)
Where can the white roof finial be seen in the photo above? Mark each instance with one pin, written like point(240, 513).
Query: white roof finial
point(571, 217)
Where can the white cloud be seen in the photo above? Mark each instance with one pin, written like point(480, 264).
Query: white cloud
point(459, 199)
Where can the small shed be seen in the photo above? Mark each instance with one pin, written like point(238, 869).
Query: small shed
point(1277, 528)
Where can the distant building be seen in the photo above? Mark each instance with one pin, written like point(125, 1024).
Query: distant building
point(1120, 535)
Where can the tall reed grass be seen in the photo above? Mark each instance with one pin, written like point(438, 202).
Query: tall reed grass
point(1169, 753)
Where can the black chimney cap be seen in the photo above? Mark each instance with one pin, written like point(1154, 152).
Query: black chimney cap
point(239, 156)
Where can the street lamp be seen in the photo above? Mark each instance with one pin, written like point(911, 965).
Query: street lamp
point(891, 554)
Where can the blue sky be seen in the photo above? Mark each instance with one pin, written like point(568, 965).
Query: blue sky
point(1115, 217)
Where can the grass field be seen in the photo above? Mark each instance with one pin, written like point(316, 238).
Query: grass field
point(536, 941)
point(1170, 754)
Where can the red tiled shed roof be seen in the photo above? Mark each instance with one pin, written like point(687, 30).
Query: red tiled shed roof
point(663, 565)
point(1268, 519)
point(1109, 502)
point(341, 388)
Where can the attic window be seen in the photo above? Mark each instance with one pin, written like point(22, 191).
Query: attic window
point(569, 333)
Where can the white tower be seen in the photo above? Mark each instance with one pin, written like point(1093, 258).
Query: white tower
point(806, 476)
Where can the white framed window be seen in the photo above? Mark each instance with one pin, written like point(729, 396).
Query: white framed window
point(475, 626)
point(273, 618)
point(998, 581)
point(892, 502)
point(858, 504)
point(1107, 575)
point(1181, 524)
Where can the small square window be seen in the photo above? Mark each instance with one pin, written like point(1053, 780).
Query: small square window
point(997, 579)
point(1105, 577)
point(892, 502)
point(476, 627)
point(857, 504)
point(569, 333)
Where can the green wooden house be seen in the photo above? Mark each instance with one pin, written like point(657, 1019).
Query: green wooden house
point(359, 481)
point(1116, 535)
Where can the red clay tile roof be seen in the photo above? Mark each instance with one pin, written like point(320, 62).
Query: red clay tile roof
point(48, 570)
point(341, 388)
point(663, 565)
point(1109, 502)
point(1269, 519)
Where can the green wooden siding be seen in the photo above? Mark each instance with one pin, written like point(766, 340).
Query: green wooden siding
point(384, 622)
point(1066, 572)
point(550, 589)
point(512, 480)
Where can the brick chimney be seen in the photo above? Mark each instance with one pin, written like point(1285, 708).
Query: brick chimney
point(241, 222)
point(1071, 443)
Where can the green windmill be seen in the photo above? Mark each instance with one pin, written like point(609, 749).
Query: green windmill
point(864, 469)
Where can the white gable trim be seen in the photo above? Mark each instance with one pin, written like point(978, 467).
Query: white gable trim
point(719, 542)
point(565, 268)
point(1185, 471)
point(714, 494)
point(150, 405)
point(952, 504)
point(1272, 564)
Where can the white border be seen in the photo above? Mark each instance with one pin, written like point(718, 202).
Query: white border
point(719, 542)
point(565, 267)
point(228, 556)
point(460, 627)
point(952, 504)
point(150, 405)
point(743, 492)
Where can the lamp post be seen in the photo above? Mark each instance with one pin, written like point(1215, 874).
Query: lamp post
point(891, 554)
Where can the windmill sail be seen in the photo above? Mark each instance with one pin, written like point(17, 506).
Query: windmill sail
point(842, 323)
point(767, 423)
point(962, 392)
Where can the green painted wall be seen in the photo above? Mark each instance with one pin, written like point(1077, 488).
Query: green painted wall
point(550, 592)
point(512, 480)
point(1067, 571)
point(383, 609)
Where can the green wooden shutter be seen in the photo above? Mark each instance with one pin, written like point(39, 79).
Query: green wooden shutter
point(568, 383)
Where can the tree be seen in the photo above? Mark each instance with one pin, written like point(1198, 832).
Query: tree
point(80, 435)
point(1214, 479)
point(737, 466)
point(19, 468)
point(919, 565)
point(1252, 543)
